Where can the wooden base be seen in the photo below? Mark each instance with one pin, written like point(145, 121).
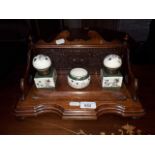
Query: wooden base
point(116, 101)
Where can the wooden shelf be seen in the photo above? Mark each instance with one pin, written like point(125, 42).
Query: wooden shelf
point(116, 101)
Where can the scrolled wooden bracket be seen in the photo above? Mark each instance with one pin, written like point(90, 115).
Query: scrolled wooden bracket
point(133, 82)
point(130, 79)
point(135, 89)
point(25, 80)
point(22, 88)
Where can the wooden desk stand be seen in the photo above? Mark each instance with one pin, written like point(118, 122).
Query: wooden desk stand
point(123, 101)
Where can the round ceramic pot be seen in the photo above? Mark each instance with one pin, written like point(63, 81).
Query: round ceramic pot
point(78, 78)
point(112, 63)
point(42, 63)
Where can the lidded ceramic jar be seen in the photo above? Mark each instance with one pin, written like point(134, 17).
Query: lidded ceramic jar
point(42, 63)
point(112, 63)
point(78, 78)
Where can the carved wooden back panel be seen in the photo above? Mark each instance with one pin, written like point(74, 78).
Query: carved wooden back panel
point(89, 58)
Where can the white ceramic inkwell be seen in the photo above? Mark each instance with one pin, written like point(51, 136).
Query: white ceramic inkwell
point(46, 74)
point(78, 78)
point(110, 73)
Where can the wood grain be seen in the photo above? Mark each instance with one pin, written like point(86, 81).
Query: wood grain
point(51, 124)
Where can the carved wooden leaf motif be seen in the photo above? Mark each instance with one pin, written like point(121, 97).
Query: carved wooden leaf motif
point(121, 131)
point(81, 132)
point(129, 128)
point(126, 129)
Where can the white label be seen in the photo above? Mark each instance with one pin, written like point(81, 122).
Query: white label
point(89, 105)
point(60, 41)
point(74, 103)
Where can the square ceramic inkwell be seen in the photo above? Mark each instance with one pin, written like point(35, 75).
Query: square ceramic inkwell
point(46, 75)
point(111, 76)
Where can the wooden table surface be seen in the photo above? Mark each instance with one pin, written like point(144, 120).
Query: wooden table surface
point(52, 124)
